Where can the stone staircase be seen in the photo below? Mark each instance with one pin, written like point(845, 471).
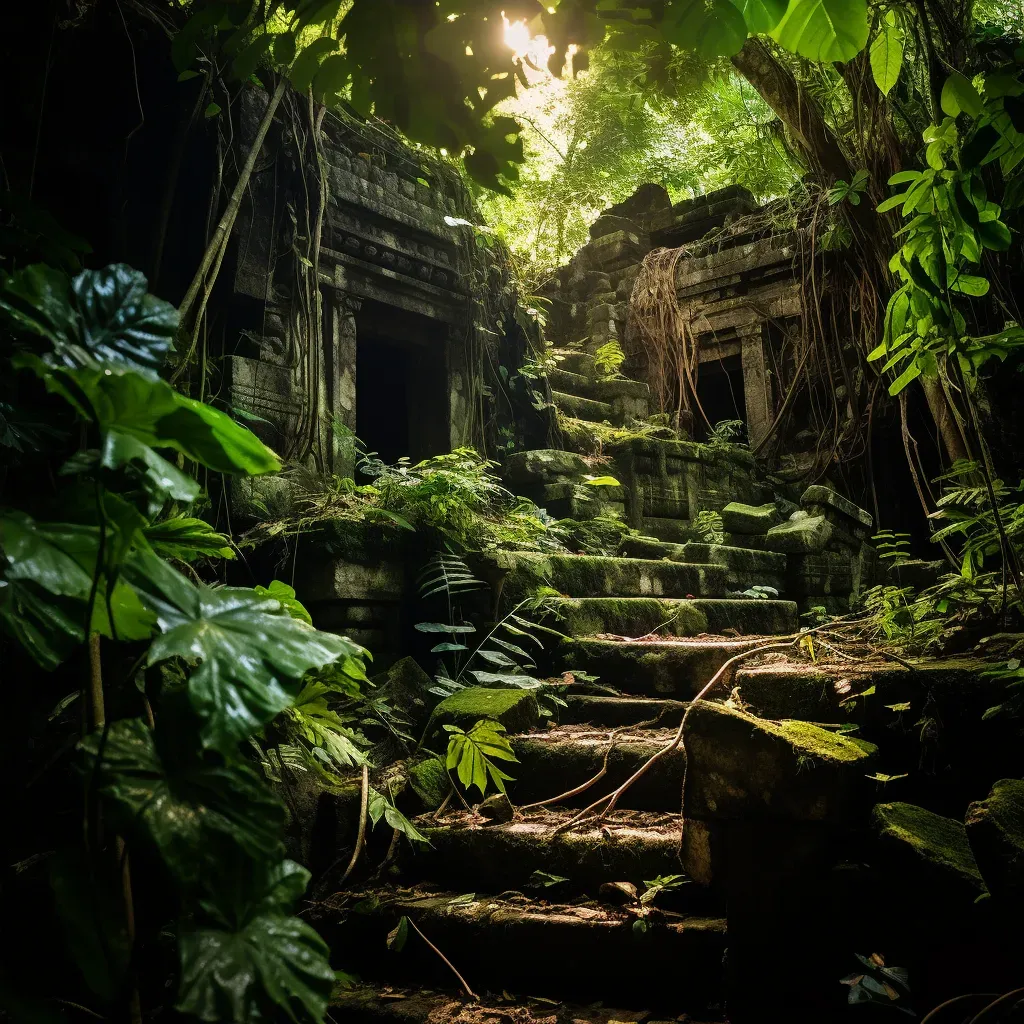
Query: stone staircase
point(517, 899)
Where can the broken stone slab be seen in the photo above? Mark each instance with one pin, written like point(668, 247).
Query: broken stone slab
point(607, 223)
point(995, 831)
point(616, 711)
point(741, 766)
point(744, 519)
point(544, 465)
point(515, 709)
point(821, 500)
point(798, 536)
point(927, 850)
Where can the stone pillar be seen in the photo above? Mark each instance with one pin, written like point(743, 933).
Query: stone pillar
point(756, 383)
point(340, 384)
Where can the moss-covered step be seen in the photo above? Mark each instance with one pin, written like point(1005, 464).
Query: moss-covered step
point(544, 466)
point(640, 616)
point(669, 668)
point(582, 408)
point(574, 361)
point(598, 576)
point(673, 531)
point(616, 711)
point(467, 850)
point(554, 761)
point(676, 962)
point(745, 567)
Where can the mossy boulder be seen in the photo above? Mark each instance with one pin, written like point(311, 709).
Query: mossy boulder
point(741, 766)
point(927, 851)
point(405, 686)
point(800, 536)
point(995, 831)
point(748, 519)
point(429, 781)
point(517, 710)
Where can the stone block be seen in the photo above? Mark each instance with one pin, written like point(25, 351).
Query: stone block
point(742, 767)
point(609, 223)
point(744, 519)
point(544, 465)
point(821, 500)
point(821, 573)
point(515, 709)
point(995, 831)
point(927, 850)
point(804, 535)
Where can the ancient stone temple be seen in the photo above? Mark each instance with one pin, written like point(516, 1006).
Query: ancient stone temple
point(384, 355)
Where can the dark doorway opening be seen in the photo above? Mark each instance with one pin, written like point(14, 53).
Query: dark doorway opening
point(401, 384)
point(382, 399)
point(721, 396)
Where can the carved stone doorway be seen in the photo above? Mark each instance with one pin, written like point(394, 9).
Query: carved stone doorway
point(402, 400)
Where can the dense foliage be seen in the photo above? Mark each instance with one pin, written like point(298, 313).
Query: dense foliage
point(95, 560)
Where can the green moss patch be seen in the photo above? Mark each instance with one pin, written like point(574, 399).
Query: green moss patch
point(516, 709)
point(939, 842)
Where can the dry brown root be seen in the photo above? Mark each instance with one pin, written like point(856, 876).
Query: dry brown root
point(602, 807)
point(364, 802)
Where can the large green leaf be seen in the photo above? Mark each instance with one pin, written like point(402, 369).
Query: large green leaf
point(102, 317)
point(180, 799)
point(48, 627)
point(762, 15)
point(247, 960)
point(824, 30)
point(250, 652)
point(130, 405)
point(187, 539)
point(886, 54)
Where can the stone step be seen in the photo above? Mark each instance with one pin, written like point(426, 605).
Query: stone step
point(676, 668)
point(379, 1004)
point(554, 761)
point(605, 576)
point(745, 567)
point(574, 361)
point(582, 408)
point(675, 531)
point(641, 616)
point(468, 851)
point(568, 383)
point(616, 711)
point(553, 950)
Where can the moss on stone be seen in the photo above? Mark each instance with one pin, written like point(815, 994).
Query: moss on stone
point(516, 709)
point(631, 616)
point(822, 744)
point(939, 841)
point(429, 781)
point(995, 830)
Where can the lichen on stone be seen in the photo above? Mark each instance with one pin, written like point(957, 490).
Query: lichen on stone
point(938, 840)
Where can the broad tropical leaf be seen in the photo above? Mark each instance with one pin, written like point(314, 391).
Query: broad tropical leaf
point(249, 960)
point(886, 54)
point(179, 799)
point(824, 30)
point(187, 539)
point(251, 654)
point(102, 317)
point(280, 591)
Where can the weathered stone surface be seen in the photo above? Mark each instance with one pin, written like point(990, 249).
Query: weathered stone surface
point(823, 573)
point(740, 766)
point(516, 709)
point(430, 782)
point(329, 580)
point(995, 831)
point(543, 465)
point(607, 223)
point(917, 573)
point(929, 847)
point(740, 518)
point(601, 576)
point(818, 496)
point(805, 535)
